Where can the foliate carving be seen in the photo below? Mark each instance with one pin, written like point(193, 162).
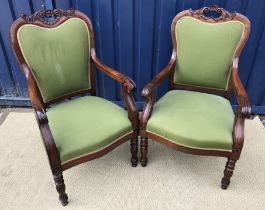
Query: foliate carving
point(223, 14)
point(44, 15)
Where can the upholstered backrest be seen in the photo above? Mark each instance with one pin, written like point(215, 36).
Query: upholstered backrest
point(58, 57)
point(205, 51)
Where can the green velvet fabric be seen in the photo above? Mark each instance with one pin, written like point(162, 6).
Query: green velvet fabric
point(205, 51)
point(85, 125)
point(193, 119)
point(58, 57)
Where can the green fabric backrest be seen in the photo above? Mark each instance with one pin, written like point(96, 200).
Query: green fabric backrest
point(58, 57)
point(205, 51)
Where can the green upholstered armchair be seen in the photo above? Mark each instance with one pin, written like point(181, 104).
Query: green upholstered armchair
point(195, 116)
point(58, 59)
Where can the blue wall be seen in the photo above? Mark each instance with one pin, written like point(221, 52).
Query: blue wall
point(133, 36)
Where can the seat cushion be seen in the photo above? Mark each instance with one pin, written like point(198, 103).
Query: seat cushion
point(193, 119)
point(86, 125)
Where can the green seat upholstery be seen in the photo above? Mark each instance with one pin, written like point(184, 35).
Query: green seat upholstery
point(86, 125)
point(193, 119)
point(205, 51)
point(58, 57)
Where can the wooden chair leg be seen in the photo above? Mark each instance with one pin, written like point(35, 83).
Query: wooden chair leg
point(144, 149)
point(228, 172)
point(134, 151)
point(60, 187)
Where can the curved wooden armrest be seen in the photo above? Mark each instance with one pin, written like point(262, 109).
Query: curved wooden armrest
point(150, 87)
point(48, 140)
point(148, 93)
point(42, 120)
point(128, 87)
point(244, 109)
point(122, 79)
point(38, 106)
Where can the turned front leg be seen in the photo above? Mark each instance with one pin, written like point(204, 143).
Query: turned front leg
point(134, 151)
point(144, 149)
point(60, 187)
point(228, 172)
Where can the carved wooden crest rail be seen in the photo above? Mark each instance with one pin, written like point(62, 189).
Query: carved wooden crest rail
point(223, 14)
point(43, 15)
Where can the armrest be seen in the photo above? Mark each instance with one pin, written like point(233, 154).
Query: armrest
point(244, 109)
point(48, 140)
point(148, 93)
point(42, 120)
point(125, 81)
point(128, 87)
point(150, 87)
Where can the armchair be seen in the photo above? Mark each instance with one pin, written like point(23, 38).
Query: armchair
point(59, 61)
point(195, 116)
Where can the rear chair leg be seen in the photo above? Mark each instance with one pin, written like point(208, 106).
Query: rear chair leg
point(134, 151)
point(144, 149)
point(60, 187)
point(228, 172)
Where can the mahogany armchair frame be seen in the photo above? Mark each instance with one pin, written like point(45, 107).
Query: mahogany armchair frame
point(39, 106)
point(243, 111)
